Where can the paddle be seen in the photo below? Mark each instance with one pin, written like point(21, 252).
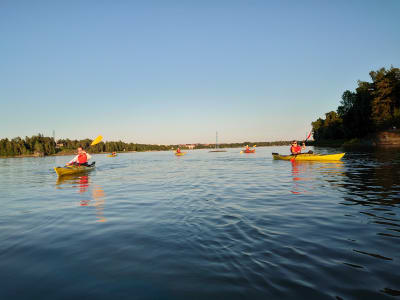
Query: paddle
point(96, 140)
point(308, 137)
point(295, 155)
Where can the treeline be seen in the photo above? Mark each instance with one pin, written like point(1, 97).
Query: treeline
point(40, 145)
point(109, 146)
point(37, 144)
point(372, 107)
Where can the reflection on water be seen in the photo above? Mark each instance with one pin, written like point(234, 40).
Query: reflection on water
point(99, 202)
point(374, 179)
point(83, 186)
point(304, 171)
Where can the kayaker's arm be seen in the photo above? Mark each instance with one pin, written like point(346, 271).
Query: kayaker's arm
point(75, 159)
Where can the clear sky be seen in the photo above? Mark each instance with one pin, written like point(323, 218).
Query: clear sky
point(166, 72)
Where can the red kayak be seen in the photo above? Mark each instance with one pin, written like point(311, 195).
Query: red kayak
point(248, 151)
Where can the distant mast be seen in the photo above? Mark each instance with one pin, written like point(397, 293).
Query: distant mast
point(216, 144)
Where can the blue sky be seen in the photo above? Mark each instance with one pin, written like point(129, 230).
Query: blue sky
point(177, 71)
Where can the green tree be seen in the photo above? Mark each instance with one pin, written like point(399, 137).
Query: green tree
point(38, 147)
point(386, 96)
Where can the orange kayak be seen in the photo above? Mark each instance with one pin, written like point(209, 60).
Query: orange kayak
point(248, 151)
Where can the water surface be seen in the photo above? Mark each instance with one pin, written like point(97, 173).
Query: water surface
point(202, 226)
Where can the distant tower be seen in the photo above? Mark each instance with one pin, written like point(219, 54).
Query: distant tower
point(54, 135)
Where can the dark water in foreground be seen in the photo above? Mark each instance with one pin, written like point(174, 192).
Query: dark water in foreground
point(202, 226)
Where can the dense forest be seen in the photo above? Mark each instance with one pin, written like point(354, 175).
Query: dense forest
point(40, 145)
point(372, 107)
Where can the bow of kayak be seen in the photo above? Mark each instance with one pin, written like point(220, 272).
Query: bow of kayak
point(310, 157)
point(69, 170)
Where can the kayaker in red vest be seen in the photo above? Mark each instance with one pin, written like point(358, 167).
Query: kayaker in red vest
point(81, 159)
point(295, 149)
point(248, 150)
point(178, 150)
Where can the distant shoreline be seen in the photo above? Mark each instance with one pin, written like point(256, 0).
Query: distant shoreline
point(70, 153)
point(64, 153)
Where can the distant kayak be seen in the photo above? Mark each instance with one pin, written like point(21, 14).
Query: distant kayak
point(180, 154)
point(110, 155)
point(248, 151)
point(309, 157)
point(68, 170)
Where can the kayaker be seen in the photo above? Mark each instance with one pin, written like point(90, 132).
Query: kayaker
point(295, 149)
point(178, 150)
point(81, 159)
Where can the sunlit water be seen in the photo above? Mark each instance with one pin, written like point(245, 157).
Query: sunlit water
point(202, 226)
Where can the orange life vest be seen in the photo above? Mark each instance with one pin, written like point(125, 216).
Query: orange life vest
point(295, 149)
point(82, 158)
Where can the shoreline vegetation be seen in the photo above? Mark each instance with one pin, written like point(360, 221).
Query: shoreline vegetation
point(39, 146)
point(368, 116)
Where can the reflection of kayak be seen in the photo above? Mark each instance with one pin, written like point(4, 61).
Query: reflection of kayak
point(307, 156)
point(248, 151)
point(110, 155)
point(180, 154)
point(72, 178)
point(68, 170)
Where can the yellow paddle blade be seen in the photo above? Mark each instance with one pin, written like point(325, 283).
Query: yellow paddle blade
point(96, 140)
point(241, 152)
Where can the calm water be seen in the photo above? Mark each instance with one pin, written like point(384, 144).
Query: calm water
point(202, 226)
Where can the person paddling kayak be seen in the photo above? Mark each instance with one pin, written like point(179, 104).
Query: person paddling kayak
point(81, 159)
point(178, 150)
point(295, 149)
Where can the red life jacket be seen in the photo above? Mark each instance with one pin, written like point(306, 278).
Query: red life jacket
point(295, 149)
point(82, 158)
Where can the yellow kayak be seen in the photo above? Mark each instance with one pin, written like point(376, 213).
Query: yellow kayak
point(68, 170)
point(309, 157)
point(110, 155)
point(180, 154)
